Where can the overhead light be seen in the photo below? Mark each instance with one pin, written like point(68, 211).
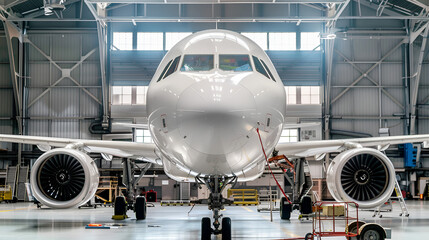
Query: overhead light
point(134, 22)
point(331, 36)
point(328, 36)
point(48, 11)
point(51, 6)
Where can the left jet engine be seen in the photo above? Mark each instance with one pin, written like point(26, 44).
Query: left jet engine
point(64, 178)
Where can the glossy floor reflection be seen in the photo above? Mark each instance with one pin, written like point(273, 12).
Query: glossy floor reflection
point(25, 221)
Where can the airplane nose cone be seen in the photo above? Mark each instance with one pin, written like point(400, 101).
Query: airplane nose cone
point(215, 118)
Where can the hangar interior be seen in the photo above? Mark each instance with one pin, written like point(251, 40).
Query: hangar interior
point(351, 69)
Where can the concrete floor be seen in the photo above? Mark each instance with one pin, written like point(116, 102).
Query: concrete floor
point(24, 221)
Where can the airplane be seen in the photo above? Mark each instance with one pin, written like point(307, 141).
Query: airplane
point(214, 104)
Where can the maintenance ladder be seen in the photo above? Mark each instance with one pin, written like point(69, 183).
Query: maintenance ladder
point(399, 198)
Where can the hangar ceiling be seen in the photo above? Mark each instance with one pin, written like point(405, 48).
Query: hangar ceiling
point(394, 29)
point(36, 10)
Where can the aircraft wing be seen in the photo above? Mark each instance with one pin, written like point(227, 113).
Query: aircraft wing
point(131, 125)
point(300, 125)
point(314, 148)
point(143, 151)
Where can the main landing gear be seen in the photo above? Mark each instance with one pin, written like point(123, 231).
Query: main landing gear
point(216, 203)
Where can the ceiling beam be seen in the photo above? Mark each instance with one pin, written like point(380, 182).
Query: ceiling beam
point(209, 19)
point(216, 1)
point(420, 4)
point(41, 12)
point(13, 3)
point(375, 6)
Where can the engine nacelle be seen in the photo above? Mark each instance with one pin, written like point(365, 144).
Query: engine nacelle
point(362, 175)
point(64, 178)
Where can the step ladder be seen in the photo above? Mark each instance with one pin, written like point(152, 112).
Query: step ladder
point(398, 197)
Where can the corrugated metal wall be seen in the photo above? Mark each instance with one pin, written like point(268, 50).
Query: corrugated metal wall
point(296, 68)
point(6, 94)
point(423, 107)
point(65, 110)
point(365, 101)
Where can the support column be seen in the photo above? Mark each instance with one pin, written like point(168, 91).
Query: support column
point(416, 82)
point(12, 31)
point(98, 12)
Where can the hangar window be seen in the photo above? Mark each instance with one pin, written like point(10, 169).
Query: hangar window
point(141, 92)
point(121, 95)
point(303, 94)
point(259, 68)
point(236, 63)
point(129, 95)
point(143, 136)
point(173, 67)
point(259, 38)
point(290, 95)
point(196, 63)
point(310, 95)
point(310, 41)
point(289, 135)
point(268, 70)
point(171, 38)
point(122, 41)
point(150, 41)
point(282, 41)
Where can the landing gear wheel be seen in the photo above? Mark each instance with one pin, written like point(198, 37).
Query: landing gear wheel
point(120, 206)
point(206, 229)
point(371, 231)
point(285, 209)
point(353, 227)
point(140, 208)
point(226, 228)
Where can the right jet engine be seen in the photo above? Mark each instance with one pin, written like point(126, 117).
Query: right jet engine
point(362, 175)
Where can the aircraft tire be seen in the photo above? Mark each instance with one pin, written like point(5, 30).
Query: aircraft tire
point(226, 228)
point(140, 208)
point(285, 209)
point(206, 230)
point(120, 206)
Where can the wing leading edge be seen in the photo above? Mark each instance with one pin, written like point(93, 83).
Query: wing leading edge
point(144, 151)
point(313, 148)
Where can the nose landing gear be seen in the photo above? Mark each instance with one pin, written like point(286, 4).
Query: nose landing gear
point(216, 202)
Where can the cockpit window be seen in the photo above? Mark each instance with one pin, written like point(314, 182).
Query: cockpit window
point(236, 63)
point(268, 70)
point(197, 63)
point(173, 67)
point(259, 67)
point(165, 70)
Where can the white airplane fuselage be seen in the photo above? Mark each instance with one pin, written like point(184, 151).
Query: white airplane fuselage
point(204, 107)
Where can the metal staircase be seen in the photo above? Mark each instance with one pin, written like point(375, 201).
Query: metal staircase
point(21, 191)
point(11, 173)
point(16, 177)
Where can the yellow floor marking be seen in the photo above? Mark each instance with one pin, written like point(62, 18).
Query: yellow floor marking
point(17, 209)
point(283, 229)
point(247, 209)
